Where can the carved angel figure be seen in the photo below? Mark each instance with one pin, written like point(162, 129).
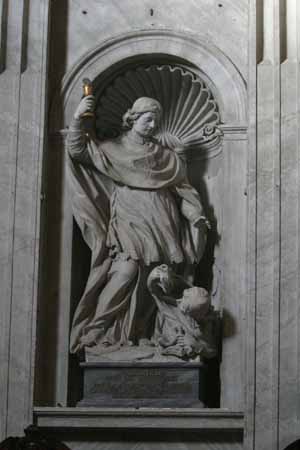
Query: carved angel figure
point(136, 209)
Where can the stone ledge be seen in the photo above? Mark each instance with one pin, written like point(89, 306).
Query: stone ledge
point(142, 418)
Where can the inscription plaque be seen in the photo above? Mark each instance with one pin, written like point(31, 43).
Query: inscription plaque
point(138, 385)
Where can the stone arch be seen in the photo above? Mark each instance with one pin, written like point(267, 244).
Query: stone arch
point(218, 71)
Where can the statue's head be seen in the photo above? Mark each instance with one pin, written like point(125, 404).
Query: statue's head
point(143, 117)
point(195, 302)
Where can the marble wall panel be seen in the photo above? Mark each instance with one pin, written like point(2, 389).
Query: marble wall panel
point(289, 301)
point(289, 290)
point(80, 26)
point(10, 87)
point(251, 272)
point(267, 250)
point(275, 313)
point(23, 110)
point(233, 283)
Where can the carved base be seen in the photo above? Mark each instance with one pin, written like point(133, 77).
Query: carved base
point(144, 384)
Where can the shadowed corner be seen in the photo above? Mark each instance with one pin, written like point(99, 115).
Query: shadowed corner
point(294, 446)
point(33, 440)
point(46, 383)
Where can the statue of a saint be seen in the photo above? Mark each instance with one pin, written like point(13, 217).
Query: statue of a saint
point(136, 209)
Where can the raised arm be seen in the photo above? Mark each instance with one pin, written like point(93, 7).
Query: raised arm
point(77, 138)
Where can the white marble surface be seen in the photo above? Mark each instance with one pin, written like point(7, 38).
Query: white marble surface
point(89, 23)
point(276, 291)
point(289, 285)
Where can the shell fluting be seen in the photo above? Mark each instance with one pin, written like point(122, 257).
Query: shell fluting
point(190, 112)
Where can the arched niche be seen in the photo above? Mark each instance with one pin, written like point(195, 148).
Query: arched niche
point(220, 74)
point(60, 272)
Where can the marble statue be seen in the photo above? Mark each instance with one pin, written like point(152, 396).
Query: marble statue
point(136, 210)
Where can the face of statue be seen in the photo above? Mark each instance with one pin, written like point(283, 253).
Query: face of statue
point(146, 124)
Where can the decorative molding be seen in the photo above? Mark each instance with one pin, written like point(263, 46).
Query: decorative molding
point(234, 132)
point(143, 418)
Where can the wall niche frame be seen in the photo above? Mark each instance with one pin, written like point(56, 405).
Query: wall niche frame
point(229, 89)
point(218, 71)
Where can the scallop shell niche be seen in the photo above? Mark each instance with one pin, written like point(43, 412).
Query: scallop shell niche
point(190, 112)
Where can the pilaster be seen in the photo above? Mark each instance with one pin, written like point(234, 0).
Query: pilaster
point(23, 42)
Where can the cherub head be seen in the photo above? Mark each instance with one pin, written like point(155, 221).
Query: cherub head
point(195, 302)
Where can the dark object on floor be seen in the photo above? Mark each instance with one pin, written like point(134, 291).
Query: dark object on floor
point(33, 440)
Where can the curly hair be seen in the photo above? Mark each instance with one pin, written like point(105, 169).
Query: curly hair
point(141, 106)
point(128, 118)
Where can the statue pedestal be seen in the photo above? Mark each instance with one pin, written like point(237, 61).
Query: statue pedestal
point(141, 384)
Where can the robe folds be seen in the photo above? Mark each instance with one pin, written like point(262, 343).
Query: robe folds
point(132, 201)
